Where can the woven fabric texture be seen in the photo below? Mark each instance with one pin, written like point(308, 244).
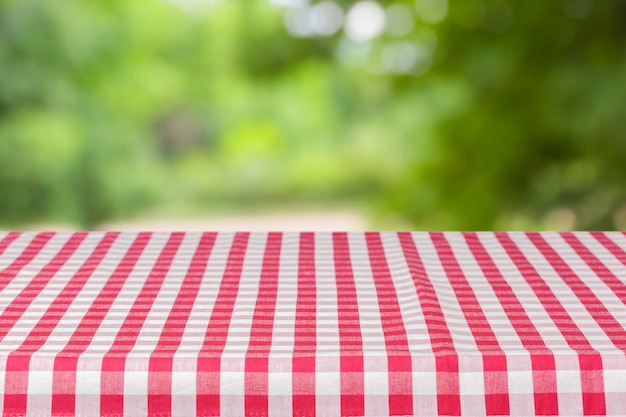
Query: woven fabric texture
point(312, 324)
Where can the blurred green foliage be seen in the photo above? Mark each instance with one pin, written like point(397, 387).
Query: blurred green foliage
point(495, 116)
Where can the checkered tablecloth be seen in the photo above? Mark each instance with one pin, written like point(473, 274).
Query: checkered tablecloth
point(312, 324)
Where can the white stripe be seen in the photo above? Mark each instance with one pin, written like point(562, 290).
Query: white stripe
point(376, 382)
point(53, 287)
point(423, 381)
point(16, 248)
point(136, 385)
point(61, 334)
point(570, 302)
point(280, 382)
point(605, 256)
point(602, 291)
point(494, 312)
point(88, 377)
point(247, 294)
point(46, 254)
point(327, 382)
point(462, 337)
point(119, 308)
point(136, 381)
point(568, 384)
point(195, 329)
point(618, 238)
point(410, 308)
point(537, 314)
point(21, 280)
point(39, 400)
point(152, 327)
point(233, 381)
point(184, 366)
point(3, 363)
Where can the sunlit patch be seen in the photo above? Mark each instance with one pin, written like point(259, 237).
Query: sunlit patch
point(400, 20)
point(298, 22)
point(429, 39)
point(353, 54)
point(400, 57)
point(194, 5)
point(365, 21)
point(407, 58)
point(326, 18)
point(432, 11)
point(619, 218)
point(560, 218)
point(289, 3)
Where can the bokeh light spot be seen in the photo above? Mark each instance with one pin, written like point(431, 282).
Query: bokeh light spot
point(365, 21)
point(560, 218)
point(298, 22)
point(194, 6)
point(353, 54)
point(289, 3)
point(400, 57)
point(326, 18)
point(400, 20)
point(432, 11)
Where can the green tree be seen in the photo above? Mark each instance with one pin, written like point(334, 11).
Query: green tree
point(541, 134)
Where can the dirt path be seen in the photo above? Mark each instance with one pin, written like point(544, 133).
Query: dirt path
point(344, 219)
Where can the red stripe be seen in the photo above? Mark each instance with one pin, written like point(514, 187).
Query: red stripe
point(7, 240)
point(161, 359)
point(39, 334)
point(494, 361)
point(566, 325)
point(27, 255)
point(600, 269)
point(479, 325)
point(55, 311)
point(350, 342)
point(65, 363)
point(399, 362)
point(256, 362)
point(611, 246)
point(446, 357)
point(541, 357)
point(18, 361)
point(19, 304)
point(209, 357)
point(589, 358)
point(305, 331)
point(114, 361)
point(606, 321)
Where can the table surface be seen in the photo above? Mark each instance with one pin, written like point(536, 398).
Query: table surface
point(312, 324)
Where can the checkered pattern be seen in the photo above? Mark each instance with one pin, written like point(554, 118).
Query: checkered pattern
point(312, 324)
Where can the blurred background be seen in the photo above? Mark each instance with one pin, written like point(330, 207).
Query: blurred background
point(296, 114)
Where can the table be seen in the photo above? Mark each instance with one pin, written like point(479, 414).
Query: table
point(312, 324)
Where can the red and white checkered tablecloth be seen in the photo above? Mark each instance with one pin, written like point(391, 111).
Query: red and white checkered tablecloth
point(312, 324)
